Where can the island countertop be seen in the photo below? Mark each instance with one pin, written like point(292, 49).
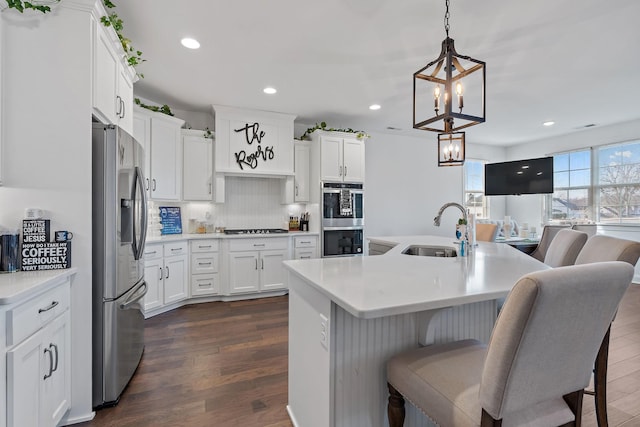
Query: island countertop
point(395, 283)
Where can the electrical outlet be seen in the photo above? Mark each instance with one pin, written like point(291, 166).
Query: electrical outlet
point(324, 331)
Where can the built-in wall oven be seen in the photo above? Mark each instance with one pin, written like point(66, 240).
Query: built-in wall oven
point(342, 219)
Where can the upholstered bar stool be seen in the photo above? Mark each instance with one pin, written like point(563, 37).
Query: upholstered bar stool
point(548, 233)
point(537, 363)
point(565, 247)
point(605, 248)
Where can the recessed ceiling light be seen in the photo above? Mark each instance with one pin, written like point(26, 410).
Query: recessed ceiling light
point(269, 90)
point(374, 107)
point(190, 43)
point(549, 123)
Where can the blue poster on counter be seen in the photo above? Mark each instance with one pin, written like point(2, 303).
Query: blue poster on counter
point(170, 220)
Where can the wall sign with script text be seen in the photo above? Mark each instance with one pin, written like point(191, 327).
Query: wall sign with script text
point(253, 142)
point(252, 156)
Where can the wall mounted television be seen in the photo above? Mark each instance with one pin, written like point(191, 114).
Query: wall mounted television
point(530, 176)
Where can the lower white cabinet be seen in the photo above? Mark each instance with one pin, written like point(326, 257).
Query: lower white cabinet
point(166, 273)
point(305, 247)
point(39, 359)
point(255, 265)
point(204, 268)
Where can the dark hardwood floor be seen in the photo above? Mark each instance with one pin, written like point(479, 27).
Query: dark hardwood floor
point(225, 364)
point(212, 364)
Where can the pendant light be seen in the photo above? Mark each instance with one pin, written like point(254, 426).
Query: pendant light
point(448, 96)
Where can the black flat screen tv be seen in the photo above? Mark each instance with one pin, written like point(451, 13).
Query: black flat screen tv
point(531, 176)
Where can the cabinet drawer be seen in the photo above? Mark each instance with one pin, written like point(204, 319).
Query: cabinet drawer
point(305, 241)
point(204, 263)
point(174, 249)
point(258, 244)
point(204, 246)
point(305, 253)
point(31, 315)
point(152, 251)
point(204, 284)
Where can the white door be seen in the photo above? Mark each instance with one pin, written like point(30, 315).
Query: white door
point(196, 168)
point(272, 271)
point(243, 272)
point(27, 364)
point(125, 92)
point(142, 134)
point(57, 388)
point(353, 152)
point(105, 75)
point(331, 159)
point(302, 155)
point(153, 275)
point(175, 279)
point(165, 158)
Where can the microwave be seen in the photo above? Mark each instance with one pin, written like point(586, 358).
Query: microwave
point(341, 241)
point(342, 205)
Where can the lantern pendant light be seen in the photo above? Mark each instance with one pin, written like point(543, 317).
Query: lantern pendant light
point(452, 87)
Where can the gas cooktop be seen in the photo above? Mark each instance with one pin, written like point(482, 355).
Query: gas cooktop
point(255, 231)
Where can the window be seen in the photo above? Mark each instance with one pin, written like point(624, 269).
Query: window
point(618, 183)
point(571, 199)
point(600, 184)
point(474, 199)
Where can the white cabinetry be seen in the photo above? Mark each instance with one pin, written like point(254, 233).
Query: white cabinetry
point(197, 166)
point(112, 80)
point(305, 247)
point(160, 135)
point(302, 155)
point(255, 265)
point(204, 268)
point(39, 359)
point(341, 159)
point(166, 269)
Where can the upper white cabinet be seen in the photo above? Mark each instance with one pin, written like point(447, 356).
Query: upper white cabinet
point(161, 137)
point(112, 80)
point(341, 159)
point(302, 155)
point(197, 166)
point(250, 142)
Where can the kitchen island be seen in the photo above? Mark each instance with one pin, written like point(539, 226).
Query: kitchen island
point(348, 316)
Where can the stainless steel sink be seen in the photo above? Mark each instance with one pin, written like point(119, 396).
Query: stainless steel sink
point(435, 251)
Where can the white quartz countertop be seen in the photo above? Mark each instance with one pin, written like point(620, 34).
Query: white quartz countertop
point(395, 283)
point(179, 237)
point(15, 287)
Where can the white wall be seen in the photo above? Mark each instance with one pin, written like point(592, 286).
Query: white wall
point(529, 208)
point(46, 138)
point(405, 188)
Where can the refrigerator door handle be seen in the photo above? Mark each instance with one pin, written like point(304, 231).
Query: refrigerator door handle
point(138, 247)
point(135, 296)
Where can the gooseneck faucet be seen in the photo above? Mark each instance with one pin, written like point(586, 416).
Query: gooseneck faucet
point(436, 220)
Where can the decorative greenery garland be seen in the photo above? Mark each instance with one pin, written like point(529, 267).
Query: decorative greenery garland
point(134, 56)
point(323, 126)
point(20, 6)
point(164, 109)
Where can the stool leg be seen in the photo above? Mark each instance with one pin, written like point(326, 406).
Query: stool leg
point(395, 408)
point(600, 381)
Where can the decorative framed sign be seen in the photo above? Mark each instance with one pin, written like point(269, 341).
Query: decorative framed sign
point(171, 220)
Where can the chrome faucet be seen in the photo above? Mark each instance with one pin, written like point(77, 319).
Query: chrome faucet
point(436, 220)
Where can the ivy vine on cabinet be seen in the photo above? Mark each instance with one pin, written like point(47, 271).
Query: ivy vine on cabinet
point(113, 80)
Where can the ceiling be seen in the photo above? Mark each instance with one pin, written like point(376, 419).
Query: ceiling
point(575, 62)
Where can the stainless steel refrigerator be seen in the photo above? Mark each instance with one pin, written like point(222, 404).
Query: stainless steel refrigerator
point(119, 231)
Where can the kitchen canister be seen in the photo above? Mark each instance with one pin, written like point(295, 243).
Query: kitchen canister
point(9, 252)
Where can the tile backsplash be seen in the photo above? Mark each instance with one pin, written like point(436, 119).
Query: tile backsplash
point(249, 203)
